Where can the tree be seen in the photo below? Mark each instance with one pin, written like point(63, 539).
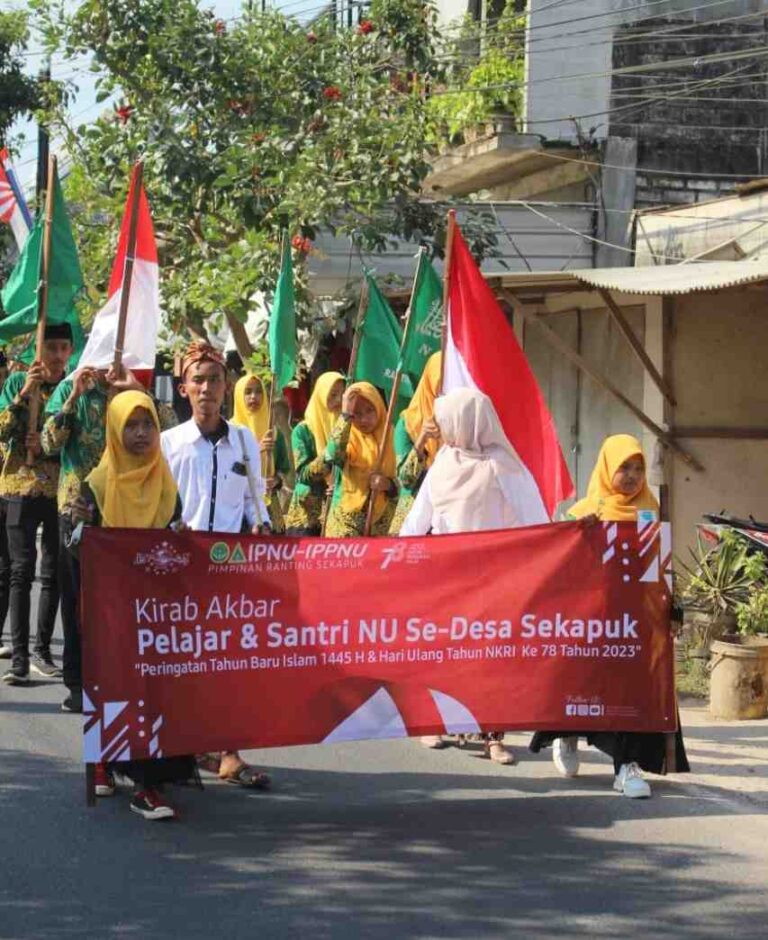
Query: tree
point(248, 129)
point(18, 95)
point(18, 92)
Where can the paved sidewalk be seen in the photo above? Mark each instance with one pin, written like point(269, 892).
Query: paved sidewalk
point(731, 756)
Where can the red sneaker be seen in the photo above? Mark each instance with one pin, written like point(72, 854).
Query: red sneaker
point(151, 805)
point(105, 781)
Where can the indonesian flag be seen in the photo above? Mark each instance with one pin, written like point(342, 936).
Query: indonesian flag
point(143, 321)
point(13, 208)
point(482, 352)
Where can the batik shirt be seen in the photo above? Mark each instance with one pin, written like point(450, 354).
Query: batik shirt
point(411, 470)
point(306, 509)
point(16, 478)
point(343, 523)
point(79, 438)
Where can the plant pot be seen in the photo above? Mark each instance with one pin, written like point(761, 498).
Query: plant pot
point(739, 679)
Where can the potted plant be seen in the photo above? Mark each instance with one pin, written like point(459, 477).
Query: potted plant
point(719, 580)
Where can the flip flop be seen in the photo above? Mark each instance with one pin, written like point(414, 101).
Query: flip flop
point(248, 778)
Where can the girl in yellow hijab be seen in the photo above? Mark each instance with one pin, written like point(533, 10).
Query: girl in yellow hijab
point(354, 448)
point(132, 485)
point(309, 440)
point(617, 491)
point(416, 439)
point(251, 410)
point(618, 487)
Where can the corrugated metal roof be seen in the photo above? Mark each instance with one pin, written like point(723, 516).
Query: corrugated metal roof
point(659, 280)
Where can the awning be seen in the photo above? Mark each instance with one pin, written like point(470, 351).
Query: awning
point(660, 280)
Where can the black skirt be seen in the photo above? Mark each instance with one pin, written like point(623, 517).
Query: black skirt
point(154, 773)
point(647, 750)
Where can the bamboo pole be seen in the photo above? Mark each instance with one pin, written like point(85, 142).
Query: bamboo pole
point(42, 303)
point(137, 179)
point(449, 233)
point(362, 308)
point(392, 396)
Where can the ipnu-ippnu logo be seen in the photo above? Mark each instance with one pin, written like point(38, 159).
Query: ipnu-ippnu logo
point(219, 553)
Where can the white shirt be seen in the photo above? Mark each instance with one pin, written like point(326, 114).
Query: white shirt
point(503, 508)
point(211, 478)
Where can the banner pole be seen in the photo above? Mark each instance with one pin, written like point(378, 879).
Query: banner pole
point(90, 785)
point(137, 179)
point(362, 308)
point(42, 301)
point(393, 393)
point(449, 233)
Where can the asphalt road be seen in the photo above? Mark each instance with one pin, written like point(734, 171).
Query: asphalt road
point(379, 840)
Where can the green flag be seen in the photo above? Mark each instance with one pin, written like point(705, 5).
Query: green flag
point(282, 324)
point(379, 350)
point(425, 323)
point(65, 280)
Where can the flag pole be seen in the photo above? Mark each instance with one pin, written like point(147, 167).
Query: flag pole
point(137, 179)
point(42, 300)
point(393, 393)
point(449, 233)
point(362, 308)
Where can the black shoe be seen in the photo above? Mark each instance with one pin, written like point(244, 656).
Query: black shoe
point(16, 676)
point(43, 665)
point(151, 804)
point(73, 703)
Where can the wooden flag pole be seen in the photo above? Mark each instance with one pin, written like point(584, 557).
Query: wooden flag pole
point(449, 233)
point(130, 256)
point(362, 308)
point(42, 302)
point(392, 397)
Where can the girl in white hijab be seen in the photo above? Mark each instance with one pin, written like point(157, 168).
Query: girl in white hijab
point(477, 481)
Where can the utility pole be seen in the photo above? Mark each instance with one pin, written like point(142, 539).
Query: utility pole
point(43, 143)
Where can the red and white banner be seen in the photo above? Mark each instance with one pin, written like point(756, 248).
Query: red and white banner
point(195, 642)
point(143, 320)
point(482, 352)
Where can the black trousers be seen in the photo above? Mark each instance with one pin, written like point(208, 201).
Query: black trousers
point(69, 585)
point(5, 567)
point(25, 516)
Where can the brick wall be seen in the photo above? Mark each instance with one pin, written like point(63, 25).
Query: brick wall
point(718, 129)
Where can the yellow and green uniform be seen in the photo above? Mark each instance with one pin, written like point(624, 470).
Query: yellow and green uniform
point(305, 512)
point(79, 438)
point(16, 478)
point(354, 454)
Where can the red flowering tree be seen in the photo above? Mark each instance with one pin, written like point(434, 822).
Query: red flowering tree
point(249, 128)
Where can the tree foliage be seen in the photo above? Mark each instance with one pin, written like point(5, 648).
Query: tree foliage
point(18, 92)
point(247, 129)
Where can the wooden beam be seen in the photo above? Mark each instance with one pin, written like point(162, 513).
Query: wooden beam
point(637, 347)
point(604, 383)
point(722, 433)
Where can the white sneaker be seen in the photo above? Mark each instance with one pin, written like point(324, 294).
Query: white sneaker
point(432, 741)
point(629, 782)
point(6, 652)
point(565, 755)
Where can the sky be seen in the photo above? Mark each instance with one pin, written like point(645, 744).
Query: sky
point(84, 106)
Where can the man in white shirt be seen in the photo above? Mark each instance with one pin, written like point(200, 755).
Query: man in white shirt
point(210, 460)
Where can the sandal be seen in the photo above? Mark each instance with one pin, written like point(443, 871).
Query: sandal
point(495, 751)
point(209, 762)
point(432, 741)
point(247, 777)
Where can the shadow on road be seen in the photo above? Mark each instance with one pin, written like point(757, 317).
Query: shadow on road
point(360, 855)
